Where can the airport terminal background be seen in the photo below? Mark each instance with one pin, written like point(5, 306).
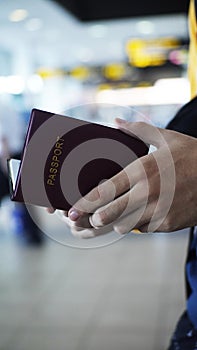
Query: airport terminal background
point(127, 295)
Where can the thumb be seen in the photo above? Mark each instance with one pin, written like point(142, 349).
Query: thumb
point(145, 132)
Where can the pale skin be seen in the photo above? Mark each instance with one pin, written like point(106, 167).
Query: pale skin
point(5, 154)
point(156, 193)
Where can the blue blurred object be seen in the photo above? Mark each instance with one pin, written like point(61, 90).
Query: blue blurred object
point(17, 220)
point(24, 227)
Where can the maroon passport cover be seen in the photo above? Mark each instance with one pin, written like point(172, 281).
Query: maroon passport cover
point(64, 158)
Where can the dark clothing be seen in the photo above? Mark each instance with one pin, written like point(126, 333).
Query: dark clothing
point(4, 186)
point(185, 121)
point(185, 336)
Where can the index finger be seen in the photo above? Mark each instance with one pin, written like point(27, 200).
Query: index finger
point(110, 189)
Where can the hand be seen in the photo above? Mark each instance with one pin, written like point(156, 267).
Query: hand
point(157, 192)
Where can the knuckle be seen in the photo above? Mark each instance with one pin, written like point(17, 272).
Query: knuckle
point(97, 196)
point(140, 124)
point(107, 191)
point(136, 125)
point(150, 165)
point(87, 203)
point(96, 193)
point(102, 193)
point(92, 196)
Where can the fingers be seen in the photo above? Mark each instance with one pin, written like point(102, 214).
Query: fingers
point(91, 232)
point(101, 195)
point(80, 232)
point(146, 132)
point(111, 189)
point(111, 212)
point(124, 205)
point(148, 218)
point(81, 223)
point(50, 210)
point(137, 219)
point(77, 231)
point(85, 233)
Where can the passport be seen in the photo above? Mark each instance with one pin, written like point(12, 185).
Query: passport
point(64, 158)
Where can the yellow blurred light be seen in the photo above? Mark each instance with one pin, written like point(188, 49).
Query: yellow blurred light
point(144, 53)
point(18, 15)
point(46, 73)
point(144, 84)
point(124, 85)
point(112, 86)
point(136, 231)
point(80, 73)
point(102, 87)
point(114, 71)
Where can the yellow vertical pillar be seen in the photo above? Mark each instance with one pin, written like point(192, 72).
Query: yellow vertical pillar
point(192, 64)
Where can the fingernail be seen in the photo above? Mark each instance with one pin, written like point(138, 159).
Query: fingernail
point(50, 210)
point(120, 121)
point(73, 215)
point(91, 223)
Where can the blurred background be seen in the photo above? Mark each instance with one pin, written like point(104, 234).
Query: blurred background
point(56, 56)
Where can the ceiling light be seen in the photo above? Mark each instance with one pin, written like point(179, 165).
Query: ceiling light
point(145, 27)
point(12, 84)
point(35, 84)
point(18, 15)
point(33, 24)
point(162, 93)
